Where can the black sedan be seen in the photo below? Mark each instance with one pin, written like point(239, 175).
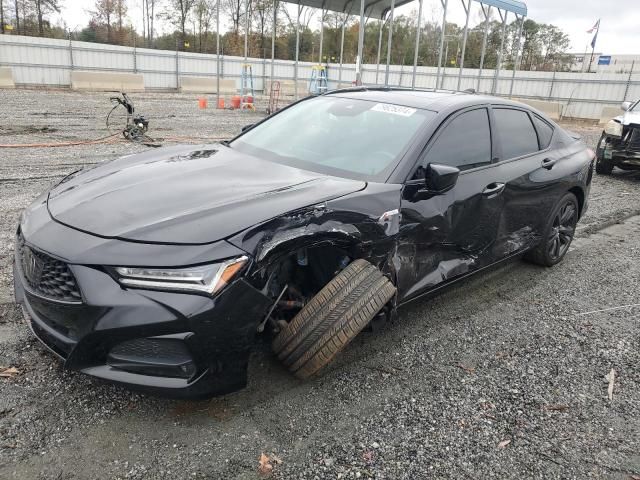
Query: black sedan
point(160, 271)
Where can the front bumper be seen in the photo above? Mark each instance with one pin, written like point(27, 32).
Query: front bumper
point(215, 335)
point(623, 151)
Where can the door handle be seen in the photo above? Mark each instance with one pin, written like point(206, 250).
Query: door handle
point(493, 189)
point(548, 163)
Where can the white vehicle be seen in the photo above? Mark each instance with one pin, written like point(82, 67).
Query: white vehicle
point(619, 145)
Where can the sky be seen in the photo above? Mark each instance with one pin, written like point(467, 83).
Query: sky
point(619, 19)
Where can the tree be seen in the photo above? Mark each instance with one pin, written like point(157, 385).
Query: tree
point(17, 16)
point(233, 8)
point(263, 11)
point(178, 13)
point(104, 12)
point(203, 13)
point(121, 10)
point(43, 7)
point(148, 13)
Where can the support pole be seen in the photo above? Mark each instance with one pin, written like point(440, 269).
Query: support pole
point(467, 9)
point(177, 67)
point(344, 23)
point(626, 89)
point(322, 14)
point(360, 45)
point(487, 14)
point(382, 22)
point(516, 60)
point(415, 53)
point(246, 31)
point(499, 64)
point(444, 27)
point(135, 59)
point(389, 41)
point(70, 50)
point(273, 40)
point(295, 65)
point(217, 53)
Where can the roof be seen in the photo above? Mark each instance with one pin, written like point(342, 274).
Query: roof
point(372, 8)
point(435, 100)
point(379, 8)
point(514, 6)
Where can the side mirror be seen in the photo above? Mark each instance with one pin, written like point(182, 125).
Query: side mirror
point(625, 106)
point(247, 127)
point(440, 178)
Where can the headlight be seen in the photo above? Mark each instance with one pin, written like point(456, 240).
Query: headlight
point(613, 128)
point(209, 278)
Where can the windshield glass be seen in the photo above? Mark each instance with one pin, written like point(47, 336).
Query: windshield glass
point(338, 136)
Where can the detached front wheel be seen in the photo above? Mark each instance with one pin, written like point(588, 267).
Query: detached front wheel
point(604, 166)
point(333, 318)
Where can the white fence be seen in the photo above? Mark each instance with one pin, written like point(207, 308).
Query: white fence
point(48, 62)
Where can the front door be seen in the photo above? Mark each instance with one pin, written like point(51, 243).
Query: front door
point(446, 236)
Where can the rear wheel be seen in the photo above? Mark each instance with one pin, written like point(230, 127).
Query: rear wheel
point(559, 233)
point(332, 318)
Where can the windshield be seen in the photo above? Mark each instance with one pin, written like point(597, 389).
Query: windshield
point(338, 136)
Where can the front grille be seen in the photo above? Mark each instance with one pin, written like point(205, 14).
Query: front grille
point(46, 276)
point(634, 140)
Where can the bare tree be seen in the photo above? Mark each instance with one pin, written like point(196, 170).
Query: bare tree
point(1, 16)
point(203, 14)
point(148, 13)
point(120, 8)
point(17, 16)
point(262, 13)
point(182, 8)
point(104, 13)
point(234, 8)
point(43, 7)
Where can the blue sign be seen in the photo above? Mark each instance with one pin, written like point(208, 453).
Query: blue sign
point(604, 60)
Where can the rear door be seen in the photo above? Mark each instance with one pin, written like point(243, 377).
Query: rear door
point(443, 237)
point(532, 173)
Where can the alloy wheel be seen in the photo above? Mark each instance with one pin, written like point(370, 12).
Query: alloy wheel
point(562, 231)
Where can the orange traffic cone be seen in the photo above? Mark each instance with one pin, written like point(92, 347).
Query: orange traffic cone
point(221, 103)
point(202, 103)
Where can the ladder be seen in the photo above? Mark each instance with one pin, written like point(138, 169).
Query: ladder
point(318, 83)
point(246, 88)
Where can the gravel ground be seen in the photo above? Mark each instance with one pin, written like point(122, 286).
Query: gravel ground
point(502, 376)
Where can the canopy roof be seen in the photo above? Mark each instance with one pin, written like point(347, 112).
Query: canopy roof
point(379, 8)
point(514, 6)
point(372, 8)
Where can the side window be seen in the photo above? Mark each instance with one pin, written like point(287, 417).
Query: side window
point(464, 143)
point(515, 131)
point(545, 132)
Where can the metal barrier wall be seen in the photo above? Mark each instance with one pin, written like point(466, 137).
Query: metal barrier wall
point(48, 62)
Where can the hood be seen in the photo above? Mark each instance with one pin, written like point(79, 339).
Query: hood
point(192, 194)
point(629, 118)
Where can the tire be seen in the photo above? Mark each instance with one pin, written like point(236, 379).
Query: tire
point(603, 165)
point(332, 318)
point(561, 226)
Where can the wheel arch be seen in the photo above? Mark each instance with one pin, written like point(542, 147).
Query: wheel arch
point(580, 196)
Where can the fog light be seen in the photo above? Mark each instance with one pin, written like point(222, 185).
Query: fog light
point(158, 357)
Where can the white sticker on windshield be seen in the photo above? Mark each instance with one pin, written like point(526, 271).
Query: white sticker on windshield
point(394, 109)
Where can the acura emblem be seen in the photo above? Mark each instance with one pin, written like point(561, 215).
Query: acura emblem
point(32, 266)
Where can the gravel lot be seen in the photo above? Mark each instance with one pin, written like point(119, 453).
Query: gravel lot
point(502, 376)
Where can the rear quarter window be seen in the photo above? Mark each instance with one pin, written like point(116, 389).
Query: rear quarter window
point(516, 133)
point(545, 132)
